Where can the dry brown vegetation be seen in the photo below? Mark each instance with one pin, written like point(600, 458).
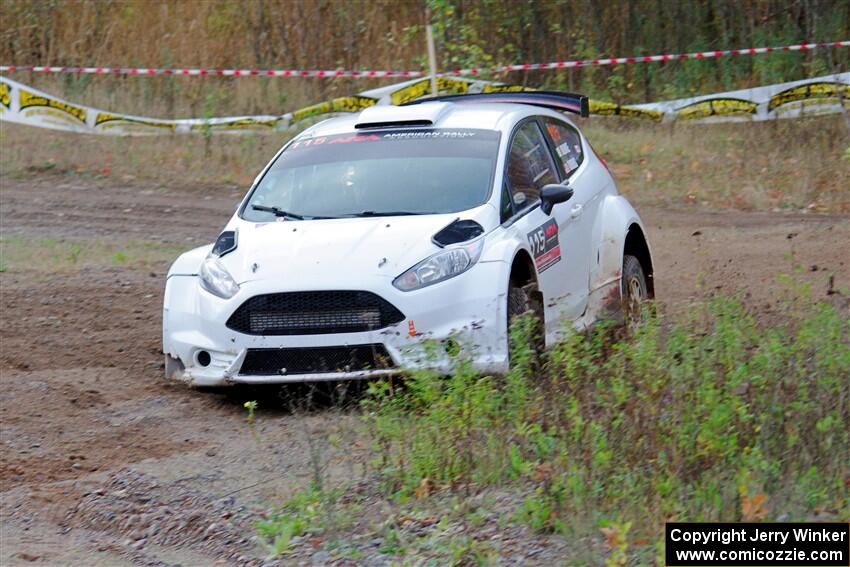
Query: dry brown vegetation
point(389, 34)
point(759, 166)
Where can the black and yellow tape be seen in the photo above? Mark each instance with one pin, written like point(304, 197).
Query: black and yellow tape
point(5, 95)
point(29, 100)
point(828, 92)
point(717, 107)
point(602, 108)
point(105, 120)
point(341, 104)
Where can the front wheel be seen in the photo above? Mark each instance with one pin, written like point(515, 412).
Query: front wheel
point(524, 301)
point(634, 291)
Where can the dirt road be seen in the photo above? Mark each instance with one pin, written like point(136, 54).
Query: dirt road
point(101, 457)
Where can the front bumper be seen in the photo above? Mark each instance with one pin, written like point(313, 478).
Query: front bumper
point(469, 309)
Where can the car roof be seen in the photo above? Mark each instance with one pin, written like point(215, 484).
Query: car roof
point(488, 116)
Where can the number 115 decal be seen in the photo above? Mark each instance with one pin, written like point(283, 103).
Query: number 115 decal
point(544, 245)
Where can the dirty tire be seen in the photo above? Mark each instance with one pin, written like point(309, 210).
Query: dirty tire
point(521, 301)
point(518, 302)
point(634, 290)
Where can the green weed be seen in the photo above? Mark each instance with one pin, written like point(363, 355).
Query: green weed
point(469, 551)
point(709, 417)
point(312, 511)
point(251, 406)
point(299, 516)
point(74, 251)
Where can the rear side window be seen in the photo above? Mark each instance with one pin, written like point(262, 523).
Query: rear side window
point(567, 143)
point(530, 165)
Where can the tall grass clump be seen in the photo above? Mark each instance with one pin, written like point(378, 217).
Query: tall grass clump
point(707, 417)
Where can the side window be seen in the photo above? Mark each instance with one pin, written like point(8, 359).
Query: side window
point(567, 143)
point(530, 165)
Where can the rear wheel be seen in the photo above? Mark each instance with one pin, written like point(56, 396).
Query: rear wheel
point(634, 291)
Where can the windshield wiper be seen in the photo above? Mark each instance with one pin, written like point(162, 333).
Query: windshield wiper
point(388, 213)
point(277, 212)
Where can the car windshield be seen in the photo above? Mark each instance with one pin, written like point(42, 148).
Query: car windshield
point(378, 173)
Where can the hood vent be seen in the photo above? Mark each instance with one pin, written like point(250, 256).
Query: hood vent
point(456, 232)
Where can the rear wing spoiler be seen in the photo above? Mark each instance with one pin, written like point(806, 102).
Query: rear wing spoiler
point(554, 100)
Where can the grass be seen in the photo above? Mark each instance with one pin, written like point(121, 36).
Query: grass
point(314, 511)
point(180, 160)
point(792, 164)
point(704, 416)
point(51, 256)
point(707, 418)
point(759, 166)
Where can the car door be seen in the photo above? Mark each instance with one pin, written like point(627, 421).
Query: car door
point(576, 217)
point(562, 280)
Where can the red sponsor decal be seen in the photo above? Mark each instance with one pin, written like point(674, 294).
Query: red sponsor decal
point(347, 139)
point(549, 258)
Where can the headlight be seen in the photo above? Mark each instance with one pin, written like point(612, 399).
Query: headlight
point(441, 266)
point(216, 279)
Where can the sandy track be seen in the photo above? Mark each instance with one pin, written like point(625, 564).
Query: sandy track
point(84, 407)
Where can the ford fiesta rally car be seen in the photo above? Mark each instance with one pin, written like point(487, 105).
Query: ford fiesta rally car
point(369, 237)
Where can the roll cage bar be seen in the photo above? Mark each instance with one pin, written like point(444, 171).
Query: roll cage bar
point(569, 102)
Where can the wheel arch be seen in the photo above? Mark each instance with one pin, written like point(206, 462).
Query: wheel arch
point(618, 231)
point(522, 269)
point(616, 219)
point(636, 245)
point(523, 274)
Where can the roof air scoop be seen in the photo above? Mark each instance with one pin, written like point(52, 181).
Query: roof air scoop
point(426, 114)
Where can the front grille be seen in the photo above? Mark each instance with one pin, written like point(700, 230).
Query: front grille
point(314, 360)
point(314, 313)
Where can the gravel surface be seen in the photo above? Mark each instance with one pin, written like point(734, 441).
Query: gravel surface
point(105, 463)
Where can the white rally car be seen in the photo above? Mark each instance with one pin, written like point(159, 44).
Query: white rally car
point(371, 238)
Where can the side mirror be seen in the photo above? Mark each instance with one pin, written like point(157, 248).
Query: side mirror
point(553, 194)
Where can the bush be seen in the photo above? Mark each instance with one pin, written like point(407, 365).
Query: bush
point(708, 417)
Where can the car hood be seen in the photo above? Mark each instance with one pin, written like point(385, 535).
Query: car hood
point(339, 248)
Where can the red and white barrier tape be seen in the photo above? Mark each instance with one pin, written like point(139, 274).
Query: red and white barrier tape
point(648, 58)
point(214, 72)
point(376, 74)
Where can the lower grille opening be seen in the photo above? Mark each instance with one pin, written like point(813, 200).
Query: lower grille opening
point(314, 360)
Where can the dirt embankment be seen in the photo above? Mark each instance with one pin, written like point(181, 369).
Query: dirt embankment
point(103, 462)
